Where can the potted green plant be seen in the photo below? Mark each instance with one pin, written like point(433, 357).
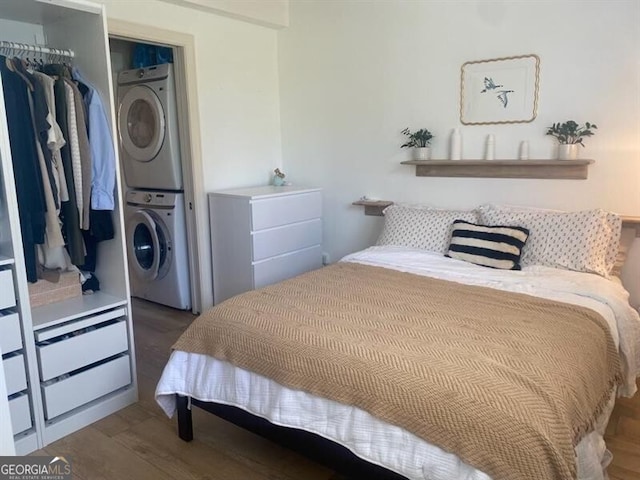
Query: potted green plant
point(420, 141)
point(569, 135)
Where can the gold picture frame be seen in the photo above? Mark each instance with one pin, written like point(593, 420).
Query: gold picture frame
point(500, 90)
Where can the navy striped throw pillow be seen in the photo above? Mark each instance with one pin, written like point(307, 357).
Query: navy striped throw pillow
point(486, 245)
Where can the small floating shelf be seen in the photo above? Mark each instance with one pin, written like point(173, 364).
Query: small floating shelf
point(548, 169)
point(373, 207)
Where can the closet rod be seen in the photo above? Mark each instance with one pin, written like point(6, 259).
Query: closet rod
point(25, 47)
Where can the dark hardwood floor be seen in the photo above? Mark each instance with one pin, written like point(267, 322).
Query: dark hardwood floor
point(140, 442)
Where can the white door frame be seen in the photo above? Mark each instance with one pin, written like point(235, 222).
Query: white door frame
point(190, 149)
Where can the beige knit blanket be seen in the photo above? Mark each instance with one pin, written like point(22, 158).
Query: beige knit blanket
point(506, 381)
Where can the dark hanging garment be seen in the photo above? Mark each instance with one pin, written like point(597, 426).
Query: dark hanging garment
point(40, 112)
point(101, 229)
point(69, 210)
point(31, 206)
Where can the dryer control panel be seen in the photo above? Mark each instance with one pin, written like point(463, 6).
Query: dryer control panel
point(151, 199)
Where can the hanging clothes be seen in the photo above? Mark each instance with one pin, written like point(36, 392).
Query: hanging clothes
point(69, 211)
point(55, 139)
point(103, 172)
point(102, 150)
point(38, 113)
point(52, 255)
point(74, 144)
point(101, 229)
point(31, 204)
point(85, 154)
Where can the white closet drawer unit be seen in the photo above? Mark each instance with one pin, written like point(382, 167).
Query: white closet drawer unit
point(15, 374)
point(20, 413)
point(72, 392)
point(77, 351)
point(280, 268)
point(10, 337)
point(7, 294)
point(273, 212)
point(276, 241)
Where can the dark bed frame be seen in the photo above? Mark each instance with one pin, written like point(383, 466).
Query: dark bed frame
point(315, 447)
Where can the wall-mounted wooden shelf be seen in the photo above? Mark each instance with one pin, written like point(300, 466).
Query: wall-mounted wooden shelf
point(373, 207)
point(629, 221)
point(549, 169)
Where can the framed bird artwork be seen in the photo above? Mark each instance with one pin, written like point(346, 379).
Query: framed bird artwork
point(499, 90)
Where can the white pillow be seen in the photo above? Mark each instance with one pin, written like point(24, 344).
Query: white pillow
point(616, 251)
point(627, 238)
point(421, 227)
point(584, 241)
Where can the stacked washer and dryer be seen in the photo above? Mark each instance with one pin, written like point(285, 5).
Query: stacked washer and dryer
point(155, 211)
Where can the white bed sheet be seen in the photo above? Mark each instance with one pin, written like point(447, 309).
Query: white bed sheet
point(209, 379)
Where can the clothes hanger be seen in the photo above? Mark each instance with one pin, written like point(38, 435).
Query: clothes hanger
point(20, 69)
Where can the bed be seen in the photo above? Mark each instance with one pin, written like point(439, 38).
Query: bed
point(406, 263)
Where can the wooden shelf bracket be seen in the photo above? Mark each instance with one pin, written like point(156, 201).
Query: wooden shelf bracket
point(373, 207)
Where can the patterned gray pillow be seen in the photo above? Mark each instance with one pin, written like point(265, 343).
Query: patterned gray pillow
point(584, 241)
point(421, 227)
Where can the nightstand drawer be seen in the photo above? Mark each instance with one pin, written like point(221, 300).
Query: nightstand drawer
point(273, 212)
point(276, 241)
point(15, 374)
point(7, 294)
point(276, 269)
point(10, 337)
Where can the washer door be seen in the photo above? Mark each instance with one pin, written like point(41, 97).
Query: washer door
point(144, 246)
point(141, 123)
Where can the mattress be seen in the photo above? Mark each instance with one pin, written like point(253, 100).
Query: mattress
point(212, 380)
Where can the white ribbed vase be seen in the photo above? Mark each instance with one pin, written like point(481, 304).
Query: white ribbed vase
point(422, 153)
point(568, 152)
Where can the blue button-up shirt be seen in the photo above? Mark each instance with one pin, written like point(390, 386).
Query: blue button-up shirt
point(103, 178)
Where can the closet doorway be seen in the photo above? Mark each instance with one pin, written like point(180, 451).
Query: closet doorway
point(159, 150)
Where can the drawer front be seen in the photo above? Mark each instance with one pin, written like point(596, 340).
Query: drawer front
point(7, 294)
point(274, 212)
point(280, 268)
point(20, 414)
point(81, 350)
point(10, 337)
point(276, 241)
point(15, 374)
point(65, 395)
point(69, 327)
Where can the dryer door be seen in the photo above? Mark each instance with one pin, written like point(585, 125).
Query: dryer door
point(143, 246)
point(141, 123)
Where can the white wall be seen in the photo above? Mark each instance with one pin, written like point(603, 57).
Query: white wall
point(22, 32)
point(273, 13)
point(353, 74)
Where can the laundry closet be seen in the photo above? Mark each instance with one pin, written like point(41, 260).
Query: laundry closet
point(151, 161)
point(68, 357)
